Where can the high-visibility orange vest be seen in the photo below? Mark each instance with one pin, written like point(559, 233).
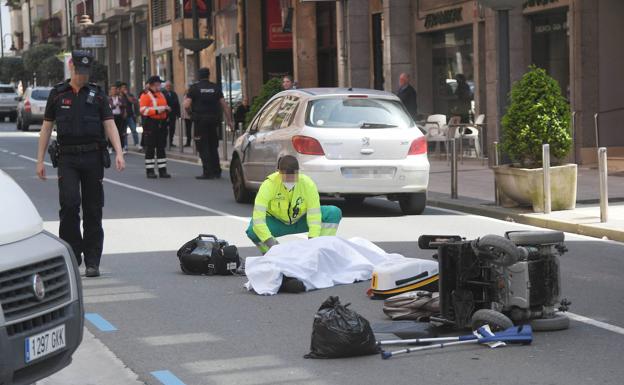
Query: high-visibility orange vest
point(153, 105)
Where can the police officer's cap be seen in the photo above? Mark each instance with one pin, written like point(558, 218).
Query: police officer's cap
point(203, 73)
point(154, 79)
point(82, 60)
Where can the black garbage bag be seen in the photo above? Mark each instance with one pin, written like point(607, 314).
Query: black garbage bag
point(340, 332)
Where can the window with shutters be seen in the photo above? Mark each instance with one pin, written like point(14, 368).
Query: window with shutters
point(161, 12)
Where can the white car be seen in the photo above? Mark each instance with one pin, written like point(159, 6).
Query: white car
point(353, 143)
point(31, 107)
point(41, 308)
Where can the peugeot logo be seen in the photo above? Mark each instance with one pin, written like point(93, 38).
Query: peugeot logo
point(38, 287)
point(366, 141)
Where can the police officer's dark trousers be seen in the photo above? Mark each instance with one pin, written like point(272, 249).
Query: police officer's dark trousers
point(80, 182)
point(155, 136)
point(207, 139)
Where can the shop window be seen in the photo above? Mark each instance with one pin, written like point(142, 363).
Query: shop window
point(453, 73)
point(550, 47)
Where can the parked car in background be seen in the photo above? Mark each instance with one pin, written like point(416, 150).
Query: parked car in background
point(41, 308)
point(31, 107)
point(353, 143)
point(8, 102)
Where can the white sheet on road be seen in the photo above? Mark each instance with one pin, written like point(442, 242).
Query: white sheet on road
point(320, 263)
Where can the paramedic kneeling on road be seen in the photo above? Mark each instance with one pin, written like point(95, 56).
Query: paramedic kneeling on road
point(289, 203)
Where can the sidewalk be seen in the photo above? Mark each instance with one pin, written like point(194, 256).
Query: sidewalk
point(476, 196)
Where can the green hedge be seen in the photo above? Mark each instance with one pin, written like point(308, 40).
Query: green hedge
point(269, 89)
point(537, 114)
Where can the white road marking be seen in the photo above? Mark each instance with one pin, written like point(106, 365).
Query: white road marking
point(101, 281)
point(108, 290)
point(177, 339)
point(576, 317)
point(118, 298)
point(234, 364)
point(598, 324)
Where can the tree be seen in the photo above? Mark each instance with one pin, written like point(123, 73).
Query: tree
point(269, 89)
point(99, 73)
point(38, 58)
point(538, 114)
point(51, 71)
point(12, 70)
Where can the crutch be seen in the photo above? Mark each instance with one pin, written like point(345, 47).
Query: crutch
point(516, 335)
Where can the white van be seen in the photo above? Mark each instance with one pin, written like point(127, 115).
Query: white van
point(41, 315)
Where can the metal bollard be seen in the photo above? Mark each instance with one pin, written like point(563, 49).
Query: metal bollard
point(453, 143)
point(604, 186)
point(546, 169)
point(497, 198)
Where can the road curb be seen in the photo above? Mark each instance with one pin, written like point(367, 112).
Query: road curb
point(592, 230)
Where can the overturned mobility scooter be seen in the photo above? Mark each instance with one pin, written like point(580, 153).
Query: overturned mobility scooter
point(500, 281)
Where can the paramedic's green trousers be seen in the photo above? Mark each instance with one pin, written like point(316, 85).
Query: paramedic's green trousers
point(330, 218)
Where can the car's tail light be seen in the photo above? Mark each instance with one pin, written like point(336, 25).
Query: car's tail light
point(307, 146)
point(27, 105)
point(418, 147)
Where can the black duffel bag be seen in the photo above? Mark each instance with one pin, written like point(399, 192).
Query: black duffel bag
point(208, 255)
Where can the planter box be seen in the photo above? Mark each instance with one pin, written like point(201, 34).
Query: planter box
point(525, 186)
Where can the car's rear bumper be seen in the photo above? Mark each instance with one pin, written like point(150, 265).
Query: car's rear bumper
point(8, 108)
point(408, 175)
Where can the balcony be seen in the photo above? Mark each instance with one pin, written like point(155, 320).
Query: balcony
point(116, 9)
point(137, 5)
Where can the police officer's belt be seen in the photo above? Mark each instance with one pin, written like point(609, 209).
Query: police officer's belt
point(78, 148)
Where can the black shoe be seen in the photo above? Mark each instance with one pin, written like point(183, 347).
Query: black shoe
point(204, 176)
point(151, 174)
point(92, 271)
point(162, 172)
point(292, 285)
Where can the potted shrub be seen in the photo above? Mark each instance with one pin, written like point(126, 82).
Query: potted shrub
point(538, 114)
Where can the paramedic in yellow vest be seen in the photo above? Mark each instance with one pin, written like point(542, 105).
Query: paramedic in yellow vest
point(289, 203)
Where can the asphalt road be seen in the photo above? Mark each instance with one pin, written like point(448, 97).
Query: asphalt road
point(209, 330)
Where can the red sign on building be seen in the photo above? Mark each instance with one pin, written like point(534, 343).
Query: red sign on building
point(277, 39)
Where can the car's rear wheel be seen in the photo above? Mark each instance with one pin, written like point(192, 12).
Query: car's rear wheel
point(413, 204)
point(241, 193)
point(25, 125)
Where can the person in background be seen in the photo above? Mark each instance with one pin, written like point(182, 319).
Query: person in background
point(288, 83)
point(130, 101)
point(154, 111)
point(463, 98)
point(407, 94)
point(119, 113)
point(174, 104)
point(188, 122)
point(206, 103)
point(240, 113)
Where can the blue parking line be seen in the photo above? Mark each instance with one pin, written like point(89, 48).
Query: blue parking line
point(100, 322)
point(167, 378)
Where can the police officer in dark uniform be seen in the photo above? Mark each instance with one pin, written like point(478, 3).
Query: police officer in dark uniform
point(83, 122)
point(205, 102)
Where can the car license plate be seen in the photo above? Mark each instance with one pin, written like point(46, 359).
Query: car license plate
point(368, 172)
point(44, 343)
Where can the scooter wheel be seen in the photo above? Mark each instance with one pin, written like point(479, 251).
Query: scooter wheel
point(557, 322)
point(498, 250)
point(497, 321)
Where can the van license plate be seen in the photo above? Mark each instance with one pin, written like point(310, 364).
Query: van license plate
point(44, 343)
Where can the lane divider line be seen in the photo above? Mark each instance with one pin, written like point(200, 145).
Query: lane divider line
point(167, 378)
point(99, 322)
point(598, 324)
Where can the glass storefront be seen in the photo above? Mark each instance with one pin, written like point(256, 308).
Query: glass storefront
point(550, 48)
point(453, 73)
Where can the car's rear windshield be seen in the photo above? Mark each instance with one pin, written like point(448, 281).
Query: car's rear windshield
point(40, 94)
point(7, 90)
point(357, 112)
